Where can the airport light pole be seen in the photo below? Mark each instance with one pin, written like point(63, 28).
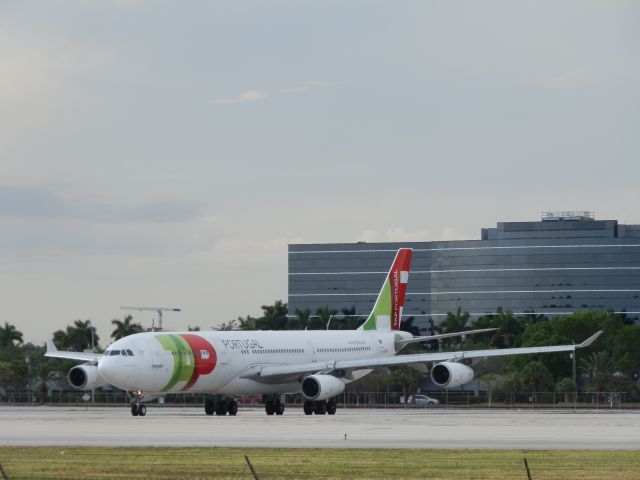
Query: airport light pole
point(27, 360)
point(93, 337)
point(93, 349)
point(159, 310)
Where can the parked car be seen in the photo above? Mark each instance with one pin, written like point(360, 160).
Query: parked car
point(421, 400)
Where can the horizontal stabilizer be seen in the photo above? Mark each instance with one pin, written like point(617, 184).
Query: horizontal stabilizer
point(426, 338)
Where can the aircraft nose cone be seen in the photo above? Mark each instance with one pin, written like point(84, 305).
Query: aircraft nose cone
point(105, 368)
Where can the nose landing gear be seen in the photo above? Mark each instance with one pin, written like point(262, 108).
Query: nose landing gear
point(137, 408)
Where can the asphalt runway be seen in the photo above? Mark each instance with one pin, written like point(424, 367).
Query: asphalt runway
point(349, 428)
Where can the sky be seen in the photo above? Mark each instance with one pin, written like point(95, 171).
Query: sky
point(164, 153)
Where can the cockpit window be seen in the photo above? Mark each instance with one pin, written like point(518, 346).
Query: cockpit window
point(113, 353)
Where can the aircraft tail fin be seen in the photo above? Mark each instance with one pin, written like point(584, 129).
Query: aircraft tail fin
point(387, 311)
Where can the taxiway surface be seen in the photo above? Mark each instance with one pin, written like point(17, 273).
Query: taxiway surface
point(369, 428)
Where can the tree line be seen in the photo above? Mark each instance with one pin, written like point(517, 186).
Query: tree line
point(610, 364)
point(24, 366)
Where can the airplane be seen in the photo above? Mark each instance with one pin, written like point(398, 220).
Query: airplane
point(315, 363)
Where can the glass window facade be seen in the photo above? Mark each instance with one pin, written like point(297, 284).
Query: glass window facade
point(551, 268)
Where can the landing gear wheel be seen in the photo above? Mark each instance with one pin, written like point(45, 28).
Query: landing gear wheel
point(134, 409)
point(308, 407)
point(331, 407)
point(232, 408)
point(279, 408)
point(209, 407)
point(221, 408)
point(270, 407)
point(142, 410)
point(320, 408)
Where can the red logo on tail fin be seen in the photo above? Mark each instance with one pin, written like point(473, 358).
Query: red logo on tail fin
point(398, 278)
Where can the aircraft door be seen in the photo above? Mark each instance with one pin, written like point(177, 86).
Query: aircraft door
point(224, 358)
point(312, 350)
point(223, 355)
point(156, 353)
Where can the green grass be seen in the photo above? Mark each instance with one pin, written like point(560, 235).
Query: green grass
point(228, 463)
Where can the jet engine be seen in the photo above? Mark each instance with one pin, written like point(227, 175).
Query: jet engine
point(451, 374)
point(85, 377)
point(321, 387)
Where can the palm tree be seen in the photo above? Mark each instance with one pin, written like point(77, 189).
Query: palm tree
point(9, 334)
point(302, 319)
point(536, 377)
point(407, 325)
point(274, 316)
point(225, 326)
point(455, 322)
point(85, 328)
point(248, 323)
point(323, 314)
point(349, 320)
point(509, 328)
point(600, 367)
point(77, 337)
point(125, 328)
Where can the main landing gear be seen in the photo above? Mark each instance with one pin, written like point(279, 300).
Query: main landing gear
point(274, 405)
point(320, 407)
point(220, 406)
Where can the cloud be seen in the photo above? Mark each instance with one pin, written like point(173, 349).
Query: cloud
point(303, 88)
point(253, 96)
point(400, 234)
point(368, 236)
point(250, 96)
point(243, 252)
point(397, 234)
point(29, 202)
point(35, 203)
point(450, 233)
point(28, 65)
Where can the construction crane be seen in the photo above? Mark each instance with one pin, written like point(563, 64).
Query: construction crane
point(154, 309)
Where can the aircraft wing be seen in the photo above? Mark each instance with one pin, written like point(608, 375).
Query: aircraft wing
point(416, 359)
point(53, 352)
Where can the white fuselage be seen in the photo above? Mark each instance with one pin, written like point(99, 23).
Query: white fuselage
point(215, 361)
